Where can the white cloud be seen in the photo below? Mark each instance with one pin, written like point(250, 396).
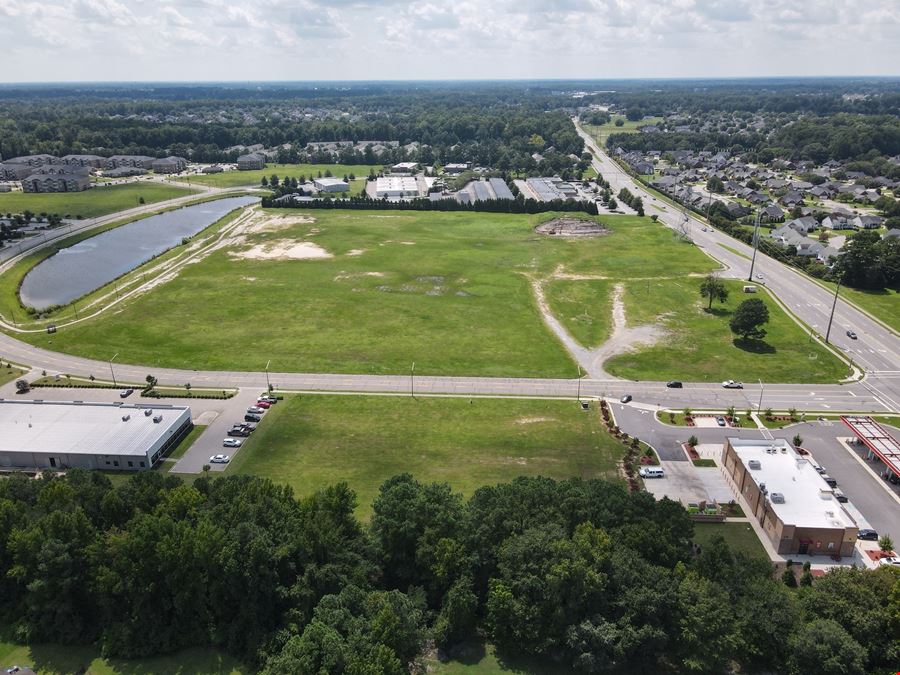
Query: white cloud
point(358, 39)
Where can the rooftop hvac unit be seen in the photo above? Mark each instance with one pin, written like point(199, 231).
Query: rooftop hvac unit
point(125, 418)
point(755, 464)
point(148, 412)
point(157, 419)
point(777, 498)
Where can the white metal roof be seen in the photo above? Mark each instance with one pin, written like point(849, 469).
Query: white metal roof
point(808, 499)
point(83, 428)
point(877, 439)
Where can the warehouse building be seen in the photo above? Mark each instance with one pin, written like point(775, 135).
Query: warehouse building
point(38, 435)
point(396, 187)
point(795, 506)
point(484, 190)
point(331, 185)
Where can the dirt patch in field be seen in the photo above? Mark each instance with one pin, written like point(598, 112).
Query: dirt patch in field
point(283, 249)
point(357, 275)
point(261, 224)
point(534, 420)
point(571, 227)
point(356, 251)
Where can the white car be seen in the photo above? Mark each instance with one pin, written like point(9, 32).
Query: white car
point(255, 410)
point(232, 443)
point(890, 562)
point(731, 384)
point(219, 459)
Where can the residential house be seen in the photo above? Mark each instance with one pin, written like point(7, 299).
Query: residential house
point(169, 164)
point(136, 161)
point(771, 214)
point(867, 222)
point(33, 160)
point(251, 162)
point(15, 171)
point(93, 161)
point(59, 180)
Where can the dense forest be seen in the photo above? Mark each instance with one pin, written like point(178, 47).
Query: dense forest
point(581, 574)
point(492, 126)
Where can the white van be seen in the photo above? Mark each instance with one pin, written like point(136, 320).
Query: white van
point(651, 472)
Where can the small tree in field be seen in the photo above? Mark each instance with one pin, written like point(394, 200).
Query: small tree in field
point(713, 288)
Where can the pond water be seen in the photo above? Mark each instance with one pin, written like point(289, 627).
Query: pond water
point(94, 262)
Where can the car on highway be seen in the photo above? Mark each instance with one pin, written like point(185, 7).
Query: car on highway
point(232, 443)
point(892, 561)
point(125, 393)
point(674, 384)
point(720, 420)
point(625, 399)
point(867, 534)
point(255, 410)
point(219, 459)
point(731, 384)
point(851, 335)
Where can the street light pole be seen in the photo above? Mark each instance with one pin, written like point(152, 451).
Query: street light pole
point(579, 384)
point(755, 246)
point(111, 369)
point(761, 390)
point(412, 373)
point(268, 385)
point(833, 306)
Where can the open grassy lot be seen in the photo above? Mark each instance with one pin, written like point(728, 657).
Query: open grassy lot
point(482, 659)
point(313, 441)
point(740, 537)
point(584, 307)
point(237, 178)
point(448, 291)
point(91, 203)
point(699, 345)
point(601, 132)
point(48, 659)
point(8, 373)
point(884, 304)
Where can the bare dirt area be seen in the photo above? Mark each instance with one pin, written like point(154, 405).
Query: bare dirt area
point(571, 227)
point(283, 249)
point(261, 223)
point(534, 420)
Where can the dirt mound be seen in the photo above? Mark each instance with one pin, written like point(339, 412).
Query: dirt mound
point(571, 227)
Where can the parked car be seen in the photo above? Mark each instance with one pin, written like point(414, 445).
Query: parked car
point(651, 472)
point(250, 426)
point(265, 405)
point(238, 431)
point(674, 384)
point(820, 469)
point(232, 443)
point(867, 535)
point(851, 335)
point(893, 561)
point(731, 384)
point(268, 397)
point(125, 393)
point(720, 421)
point(219, 459)
point(250, 417)
point(625, 399)
point(841, 497)
point(255, 410)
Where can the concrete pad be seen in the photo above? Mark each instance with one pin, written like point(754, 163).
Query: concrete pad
point(705, 422)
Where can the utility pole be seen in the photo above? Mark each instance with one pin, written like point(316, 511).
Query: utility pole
point(755, 246)
point(833, 306)
point(579, 384)
point(761, 390)
point(412, 373)
point(268, 386)
point(111, 369)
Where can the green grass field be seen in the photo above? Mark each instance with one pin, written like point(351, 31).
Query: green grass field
point(601, 132)
point(699, 346)
point(584, 307)
point(740, 537)
point(309, 442)
point(884, 305)
point(97, 201)
point(448, 291)
point(58, 660)
point(8, 373)
point(239, 178)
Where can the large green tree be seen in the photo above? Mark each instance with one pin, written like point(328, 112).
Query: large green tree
point(749, 318)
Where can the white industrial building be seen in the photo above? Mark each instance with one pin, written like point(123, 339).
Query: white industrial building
point(331, 185)
point(60, 435)
point(393, 187)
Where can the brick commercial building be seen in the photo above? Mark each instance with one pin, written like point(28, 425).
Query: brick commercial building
point(795, 506)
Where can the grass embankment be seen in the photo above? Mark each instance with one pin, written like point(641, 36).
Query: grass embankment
point(48, 659)
point(883, 304)
point(739, 536)
point(310, 442)
point(97, 201)
point(699, 345)
point(228, 179)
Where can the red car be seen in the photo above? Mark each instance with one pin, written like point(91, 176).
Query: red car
point(263, 404)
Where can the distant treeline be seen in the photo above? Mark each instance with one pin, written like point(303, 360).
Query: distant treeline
point(517, 205)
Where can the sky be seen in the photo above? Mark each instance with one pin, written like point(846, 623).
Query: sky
point(204, 40)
